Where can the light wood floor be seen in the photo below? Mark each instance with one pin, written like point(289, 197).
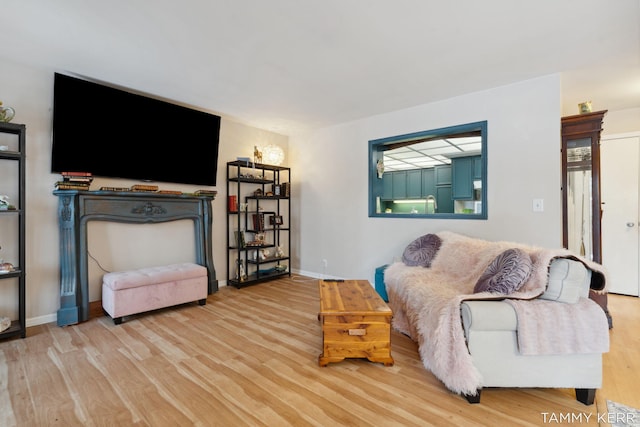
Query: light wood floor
point(249, 357)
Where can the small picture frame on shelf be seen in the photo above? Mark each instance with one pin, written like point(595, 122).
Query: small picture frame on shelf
point(276, 220)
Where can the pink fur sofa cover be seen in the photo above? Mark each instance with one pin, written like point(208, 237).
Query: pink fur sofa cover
point(131, 292)
point(428, 295)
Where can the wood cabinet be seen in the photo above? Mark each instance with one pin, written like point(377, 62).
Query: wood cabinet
point(13, 227)
point(581, 212)
point(581, 196)
point(258, 222)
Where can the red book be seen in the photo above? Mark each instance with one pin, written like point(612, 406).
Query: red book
point(233, 203)
point(75, 173)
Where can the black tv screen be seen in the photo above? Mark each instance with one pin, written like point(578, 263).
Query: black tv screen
point(114, 133)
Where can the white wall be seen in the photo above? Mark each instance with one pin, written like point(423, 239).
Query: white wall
point(329, 186)
point(115, 246)
point(523, 164)
point(621, 121)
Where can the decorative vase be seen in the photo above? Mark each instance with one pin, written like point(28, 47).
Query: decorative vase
point(6, 113)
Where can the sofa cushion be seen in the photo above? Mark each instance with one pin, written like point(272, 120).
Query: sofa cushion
point(421, 251)
point(506, 273)
point(569, 280)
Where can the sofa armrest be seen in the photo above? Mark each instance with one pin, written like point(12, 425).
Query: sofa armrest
point(569, 280)
point(488, 316)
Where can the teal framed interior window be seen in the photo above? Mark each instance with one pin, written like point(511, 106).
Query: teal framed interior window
point(438, 173)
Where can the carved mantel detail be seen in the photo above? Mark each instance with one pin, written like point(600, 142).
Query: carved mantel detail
point(149, 209)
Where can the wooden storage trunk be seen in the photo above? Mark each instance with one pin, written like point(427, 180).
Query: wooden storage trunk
point(356, 323)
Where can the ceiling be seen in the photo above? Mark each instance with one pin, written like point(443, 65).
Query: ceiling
point(290, 65)
point(431, 153)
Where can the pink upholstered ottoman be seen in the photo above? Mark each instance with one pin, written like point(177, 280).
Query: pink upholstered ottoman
point(130, 292)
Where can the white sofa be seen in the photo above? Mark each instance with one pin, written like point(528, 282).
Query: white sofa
point(548, 333)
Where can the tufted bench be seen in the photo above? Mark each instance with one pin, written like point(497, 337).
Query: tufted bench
point(130, 292)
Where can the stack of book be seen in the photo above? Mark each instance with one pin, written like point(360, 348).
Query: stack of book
point(210, 193)
point(240, 238)
point(258, 221)
point(117, 189)
point(285, 189)
point(74, 181)
point(145, 188)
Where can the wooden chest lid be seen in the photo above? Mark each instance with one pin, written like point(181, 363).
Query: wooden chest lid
point(350, 297)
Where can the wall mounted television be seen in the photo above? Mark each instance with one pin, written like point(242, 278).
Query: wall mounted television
point(119, 134)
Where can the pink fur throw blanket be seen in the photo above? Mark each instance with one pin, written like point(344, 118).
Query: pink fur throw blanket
point(426, 301)
point(549, 327)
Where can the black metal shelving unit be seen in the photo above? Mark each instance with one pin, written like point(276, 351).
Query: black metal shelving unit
point(15, 135)
point(261, 208)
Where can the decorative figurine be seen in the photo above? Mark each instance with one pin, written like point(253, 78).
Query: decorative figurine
point(380, 168)
point(585, 107)
point(241, 274)
point(279, 252)
point(257, 155)
point(5, 267)
point(6, 113)
point(5, 322)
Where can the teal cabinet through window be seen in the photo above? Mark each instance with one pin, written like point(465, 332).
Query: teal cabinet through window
point(444, 200)
point(477, 167)
point(428, 182)
point(387, 186)
point(465, 170)
point(462, 181)
point(443, 189)
point(446, 183)
point(443, 175)
point(414, 184)
point(399, 185)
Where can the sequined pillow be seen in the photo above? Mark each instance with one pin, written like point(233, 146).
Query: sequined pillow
point(421, 251)
point(506, 273)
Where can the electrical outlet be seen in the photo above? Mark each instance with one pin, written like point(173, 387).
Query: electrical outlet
point(324, 263)
point(538, 205)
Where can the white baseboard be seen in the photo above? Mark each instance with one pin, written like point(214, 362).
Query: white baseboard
point(314, 274)
point(41, 320)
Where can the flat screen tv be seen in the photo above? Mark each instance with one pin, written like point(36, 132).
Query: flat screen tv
point(119, 134)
